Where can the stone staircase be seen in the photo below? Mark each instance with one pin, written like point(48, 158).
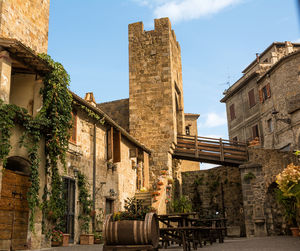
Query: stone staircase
point(145, 196)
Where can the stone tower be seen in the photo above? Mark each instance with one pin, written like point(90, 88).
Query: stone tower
point(156, 113)
point(27, 21)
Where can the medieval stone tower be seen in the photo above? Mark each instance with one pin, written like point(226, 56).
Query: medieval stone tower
point(156, 113)
point(26, 21)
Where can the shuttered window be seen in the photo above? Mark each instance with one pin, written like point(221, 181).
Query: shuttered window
point(255, 133)
point(251, 96)
point(73, 131)
point(265, 93)
point(109, 143)
point(116, 146)
point(232, 112)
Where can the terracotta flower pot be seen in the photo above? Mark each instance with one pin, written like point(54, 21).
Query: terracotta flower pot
point(66, 238)
point(86, 239)
point(295, 231)
point(55, 243)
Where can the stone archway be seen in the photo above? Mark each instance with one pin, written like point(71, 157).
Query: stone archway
point(14, 211)
point(274, 212)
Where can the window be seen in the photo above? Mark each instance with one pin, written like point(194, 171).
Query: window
point(187, 130)
point(73, 131)
point(113, 145)
point(251, 96)
point(264, 93)
point(270, 125)
point(255, 133)
point(235, 138)
point(232, 112)
point(109, 206)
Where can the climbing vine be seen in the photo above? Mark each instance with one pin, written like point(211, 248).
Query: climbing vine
point(54, 123)
point(85, 202)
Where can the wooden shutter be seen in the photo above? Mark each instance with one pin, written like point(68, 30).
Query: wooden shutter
point(116, 146)
point(232, 112)
point(268, 90)
point(255, 131)
point(110, 142)
point(261, 97)
point(251, 98)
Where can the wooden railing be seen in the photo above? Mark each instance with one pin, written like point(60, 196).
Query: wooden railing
point(210, 150)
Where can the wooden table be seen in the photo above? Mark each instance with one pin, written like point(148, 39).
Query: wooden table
point(186, 228)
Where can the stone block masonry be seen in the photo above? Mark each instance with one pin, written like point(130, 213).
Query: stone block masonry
point(217, 190)
point(155, 91)
point(263, 215)
point(26, 21)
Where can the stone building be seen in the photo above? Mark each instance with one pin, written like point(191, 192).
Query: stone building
point(191, 128)
point(263, 109)
point(115, 164)
point(264, 102)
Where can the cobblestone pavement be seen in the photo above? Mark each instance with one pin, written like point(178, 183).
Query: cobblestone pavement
point(278, 243)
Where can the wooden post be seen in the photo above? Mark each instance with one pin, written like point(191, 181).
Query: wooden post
point(221, 150)
point(196, 145)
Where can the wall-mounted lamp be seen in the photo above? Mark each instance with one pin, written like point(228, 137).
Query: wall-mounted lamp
point(75, 172)
point(285, 120)
point(112, 192)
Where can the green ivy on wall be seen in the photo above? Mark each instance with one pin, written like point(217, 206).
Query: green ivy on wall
point(53, 122)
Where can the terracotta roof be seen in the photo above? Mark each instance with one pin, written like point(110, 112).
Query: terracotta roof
point(110, 121)
point(23, 58)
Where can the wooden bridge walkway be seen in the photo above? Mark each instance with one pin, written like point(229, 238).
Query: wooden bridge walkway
point(210, 150)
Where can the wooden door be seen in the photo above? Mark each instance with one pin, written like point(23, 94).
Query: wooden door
point(14, 211)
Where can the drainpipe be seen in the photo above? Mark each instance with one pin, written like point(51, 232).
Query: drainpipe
point(94, 174)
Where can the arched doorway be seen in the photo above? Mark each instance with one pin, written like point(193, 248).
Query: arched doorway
point(14, 209)
point(274, 212)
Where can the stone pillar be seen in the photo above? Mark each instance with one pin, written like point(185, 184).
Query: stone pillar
point(5, 76)
point(253, 189)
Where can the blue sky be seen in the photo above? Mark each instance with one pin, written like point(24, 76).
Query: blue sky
point(218, 39)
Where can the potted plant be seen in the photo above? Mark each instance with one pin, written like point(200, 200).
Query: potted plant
point(289, 195)
point(136, 225)
point(170, 181)
point(98, 237)
point(56, 238)
point(160, 183)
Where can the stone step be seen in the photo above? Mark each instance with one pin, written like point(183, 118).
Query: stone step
point(145, 196)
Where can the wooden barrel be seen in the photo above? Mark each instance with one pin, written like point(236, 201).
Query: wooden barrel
point(132, 232)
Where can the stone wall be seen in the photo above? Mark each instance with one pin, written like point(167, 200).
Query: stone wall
point(191, 123)
point(26, 21)
point(155, 91)
point(121, 178)
point(118, 110)
point(216, 189)
point(277, 115)
point(263, 215)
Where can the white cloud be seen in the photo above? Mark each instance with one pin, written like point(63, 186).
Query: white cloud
point(180, 10)
point(213, 120)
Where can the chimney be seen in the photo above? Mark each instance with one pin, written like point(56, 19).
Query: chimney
point(274, 57)
point(89, 97)
point(257, 57)
point(289, 47)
